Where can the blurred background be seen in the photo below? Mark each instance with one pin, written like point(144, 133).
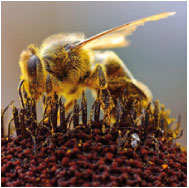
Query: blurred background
point(157, 55)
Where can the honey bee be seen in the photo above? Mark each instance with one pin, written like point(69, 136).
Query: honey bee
point(67, 64)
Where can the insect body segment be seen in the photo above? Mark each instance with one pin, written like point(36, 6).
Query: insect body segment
point(32, 72)
point(68, 63)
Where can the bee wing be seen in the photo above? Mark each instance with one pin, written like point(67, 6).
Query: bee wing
point(117, 37)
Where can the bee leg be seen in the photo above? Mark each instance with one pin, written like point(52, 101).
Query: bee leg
point(48, 84)
point(100, 82)
point(47, 97)
point(107, 104)
point(99, 77)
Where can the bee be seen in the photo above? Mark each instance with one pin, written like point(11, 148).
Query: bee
point(67, 64)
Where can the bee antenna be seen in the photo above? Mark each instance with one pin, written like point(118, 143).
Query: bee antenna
point(20, 92)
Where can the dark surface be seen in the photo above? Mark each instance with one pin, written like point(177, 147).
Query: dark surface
point(138, 150)
point(63, 160)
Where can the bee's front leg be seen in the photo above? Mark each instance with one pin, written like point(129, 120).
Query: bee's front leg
point(48, 97)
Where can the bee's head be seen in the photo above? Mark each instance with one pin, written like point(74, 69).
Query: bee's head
point(32, 71)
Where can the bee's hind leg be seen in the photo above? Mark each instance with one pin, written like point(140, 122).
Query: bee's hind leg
point(99, 81)
point(98, 77)
point(107, 104)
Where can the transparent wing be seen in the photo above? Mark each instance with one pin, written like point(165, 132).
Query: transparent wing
point(117, 37)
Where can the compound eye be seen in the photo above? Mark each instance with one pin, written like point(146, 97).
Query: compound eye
point(32, 65)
